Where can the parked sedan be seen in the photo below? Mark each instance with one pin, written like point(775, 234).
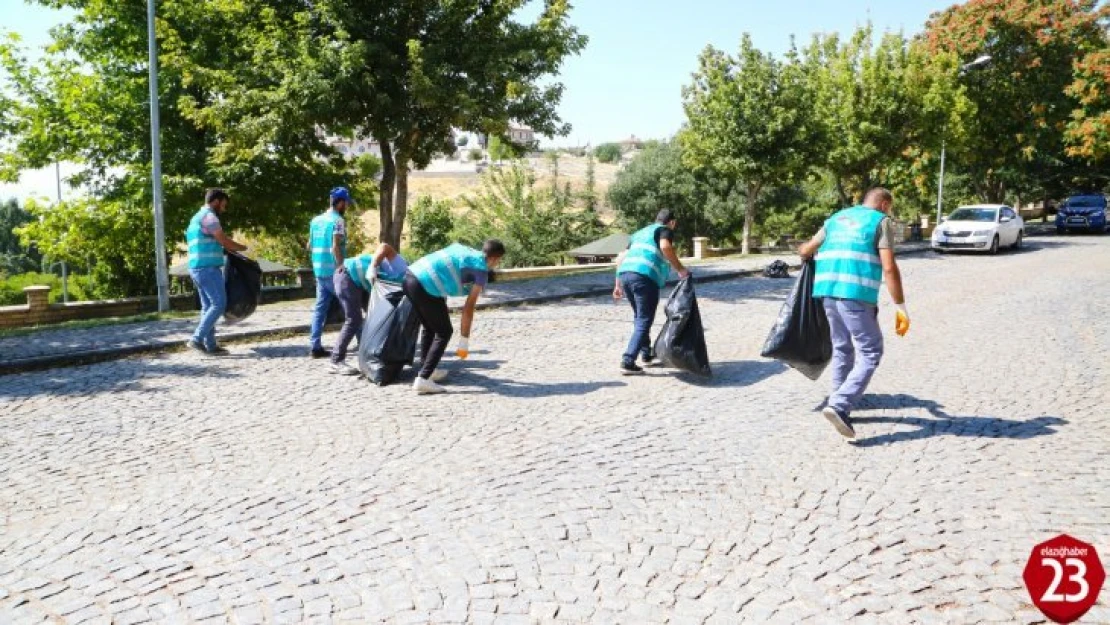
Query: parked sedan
point(1082, 212)
point(981, 228)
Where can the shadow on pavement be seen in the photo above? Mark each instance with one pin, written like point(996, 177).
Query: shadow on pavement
point(511, 388)
point(116, 376)
point(940, 423)
point(733, 373)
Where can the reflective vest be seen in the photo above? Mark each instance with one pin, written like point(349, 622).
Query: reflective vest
point(644, 256)
point(204, 249)
point(441, 273)
point(848, 265)
point(320, 234)
point(357, 268)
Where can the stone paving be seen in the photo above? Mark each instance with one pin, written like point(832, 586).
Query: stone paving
point(546, 488)
point(60, 344)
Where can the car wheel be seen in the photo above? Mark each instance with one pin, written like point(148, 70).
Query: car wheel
point(1018, 242)
point(994, 245)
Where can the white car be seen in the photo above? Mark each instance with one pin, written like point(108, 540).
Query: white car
point(980, 228)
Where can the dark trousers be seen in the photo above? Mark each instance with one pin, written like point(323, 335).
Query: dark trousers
point(353, 300)
point(435, 319)
point(643, 294)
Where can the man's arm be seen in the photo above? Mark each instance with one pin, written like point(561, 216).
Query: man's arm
point(808, 249)
point(468, 311)
point(226, 241)
point(618, 292)
point(384, 251)
point(892, 275)
point(667, 248)
point(337, 249)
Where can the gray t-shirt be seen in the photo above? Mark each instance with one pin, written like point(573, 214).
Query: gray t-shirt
point(884, 235)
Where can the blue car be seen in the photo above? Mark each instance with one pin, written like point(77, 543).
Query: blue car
point(1082, 212)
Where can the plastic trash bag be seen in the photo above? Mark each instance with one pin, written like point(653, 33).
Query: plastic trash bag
point(681, 342)
point(243, 286)
point(388, 340)
point(777, 269)
point(801, 336)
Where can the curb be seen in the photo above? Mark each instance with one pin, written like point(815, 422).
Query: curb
point(71, 359)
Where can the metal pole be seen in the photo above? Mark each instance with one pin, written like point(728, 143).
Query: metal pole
point(58, 179)
point(65, 284)
point(156, 167)
point(940, 182)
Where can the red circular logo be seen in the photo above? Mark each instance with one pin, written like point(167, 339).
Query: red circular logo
point(1063, 577)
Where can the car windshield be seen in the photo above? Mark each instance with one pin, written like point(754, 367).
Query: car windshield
point(974, 214)
point(1085, 202)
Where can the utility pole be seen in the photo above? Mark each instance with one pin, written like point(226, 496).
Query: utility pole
point(161, 270)
point(982, 61)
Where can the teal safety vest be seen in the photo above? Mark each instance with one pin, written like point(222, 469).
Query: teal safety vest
point(320, 233)
point(204, 249)
point(441, 273)
point(644, 256)
point(848, 265)
point(357, 268)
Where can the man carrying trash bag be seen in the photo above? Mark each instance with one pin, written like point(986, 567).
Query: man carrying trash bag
point(641, 274)
point(855, 251)
point(451, 272)
point(353, 283)
point(207, 242)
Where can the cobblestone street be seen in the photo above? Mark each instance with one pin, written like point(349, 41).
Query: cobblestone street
point(546, 487)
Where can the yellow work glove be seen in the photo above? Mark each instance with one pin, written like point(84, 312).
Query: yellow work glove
point(901, 320)
point(463, 350)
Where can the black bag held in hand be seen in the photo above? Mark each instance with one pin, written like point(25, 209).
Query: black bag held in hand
point(801, 336)
point(681, 342)
point(243, 286)
point(388, 339)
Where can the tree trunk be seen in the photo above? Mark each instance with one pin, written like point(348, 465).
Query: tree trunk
point(400, 201)
point(749, 219)
point(844, 199)
point(385, 191)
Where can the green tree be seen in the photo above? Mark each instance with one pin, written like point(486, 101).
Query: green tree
point(656, 178)
point(536, 225)
point(749, 122)
point(608, 153)
point(589, 192)
point(1027, 96)
point(14, 256)
point(1088, 130)
point(432, 225)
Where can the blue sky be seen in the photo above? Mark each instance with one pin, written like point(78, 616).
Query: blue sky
point(641, 52)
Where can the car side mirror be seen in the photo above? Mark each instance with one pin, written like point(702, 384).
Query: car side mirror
point(1007, 219)
point(944, 219)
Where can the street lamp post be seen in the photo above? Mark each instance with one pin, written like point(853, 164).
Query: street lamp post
point(161, 271)
point(982, 61)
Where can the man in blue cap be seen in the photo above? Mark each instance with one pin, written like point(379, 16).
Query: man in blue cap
point(207, 242)
point(327, 242)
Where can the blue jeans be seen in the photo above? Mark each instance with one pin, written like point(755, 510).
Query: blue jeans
point(857, 345)
point(213, 302)
point(325, 293)
point(643, 294)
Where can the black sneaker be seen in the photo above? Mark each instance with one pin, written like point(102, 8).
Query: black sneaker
point(195, 345)
point(647, 359)
point(629, 367)
point(840, 421)
point(218, 351)
point(320, 352)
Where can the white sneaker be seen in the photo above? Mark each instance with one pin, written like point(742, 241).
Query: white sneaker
point(426, 387)
point(439, 375)
point(342, 368)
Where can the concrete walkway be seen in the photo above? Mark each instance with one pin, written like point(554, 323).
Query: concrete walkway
point(64, 347)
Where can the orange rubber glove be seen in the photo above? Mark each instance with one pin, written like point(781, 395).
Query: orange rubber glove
point(463, 350)
point(901, 320)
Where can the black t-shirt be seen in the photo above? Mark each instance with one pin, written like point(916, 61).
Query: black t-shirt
point(664, 233)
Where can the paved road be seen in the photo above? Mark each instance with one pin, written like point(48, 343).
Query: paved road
point(546, 488)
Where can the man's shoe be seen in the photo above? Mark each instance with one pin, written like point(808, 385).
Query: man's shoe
point(218, 351)
point(439, 375)
point(648, 359)
point(839, 421)
point(342, 368)
point(195, 345)
point(320, 352)
point(629, 367)
point(426, 387)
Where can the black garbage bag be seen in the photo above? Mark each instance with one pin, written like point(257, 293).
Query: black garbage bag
point(801, 336)
point(681, 342)
point(777, 269)
point(388, 340)
point(243, 286)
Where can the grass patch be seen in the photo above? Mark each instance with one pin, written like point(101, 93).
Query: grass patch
point(81, 324)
